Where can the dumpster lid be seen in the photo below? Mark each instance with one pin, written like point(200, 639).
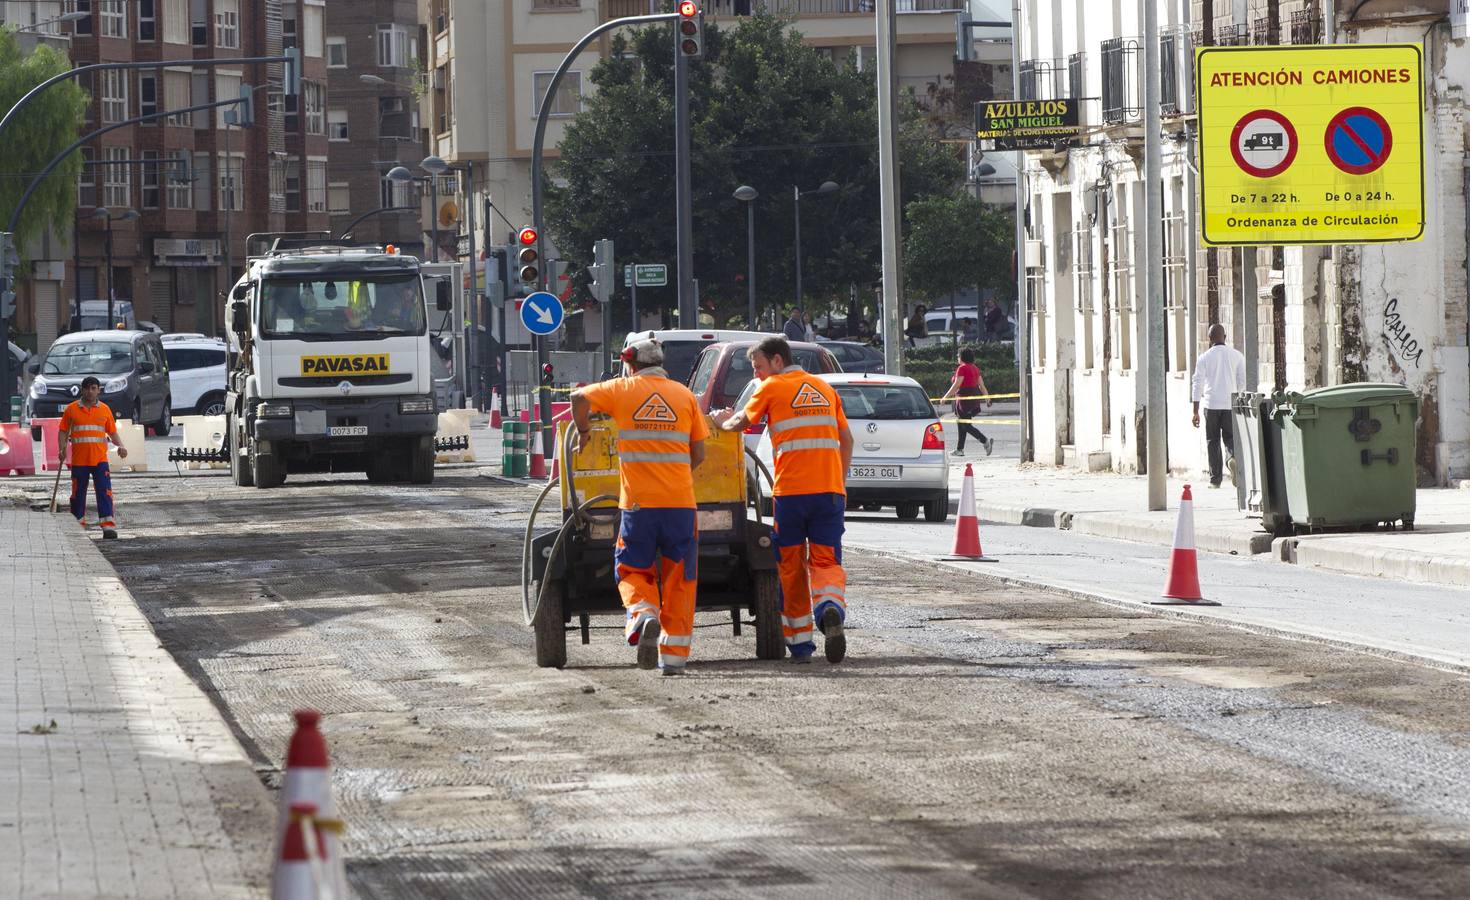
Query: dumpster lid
point(1343, 396)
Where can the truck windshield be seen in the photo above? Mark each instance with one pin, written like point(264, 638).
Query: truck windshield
point(320, 307)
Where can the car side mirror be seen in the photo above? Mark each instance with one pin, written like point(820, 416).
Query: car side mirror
point(145, 368)
point(241, 291)
point(443, 301)
point(239, 317)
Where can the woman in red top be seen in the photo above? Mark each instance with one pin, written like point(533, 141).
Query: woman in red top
point(969, 386)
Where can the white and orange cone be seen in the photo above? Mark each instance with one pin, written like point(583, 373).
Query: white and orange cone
point(1182, 586)
point(308, 780)
point(537, 466)
point(967, 524)
point(299, 871)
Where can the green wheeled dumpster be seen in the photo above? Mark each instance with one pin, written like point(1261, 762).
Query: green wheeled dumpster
point(1259, 484)
point(1347, 455)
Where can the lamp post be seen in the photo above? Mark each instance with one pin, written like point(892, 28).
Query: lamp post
point(106, 215)
point(748, 195)
point(797, 193)
point(402, 175)
point(62, 19)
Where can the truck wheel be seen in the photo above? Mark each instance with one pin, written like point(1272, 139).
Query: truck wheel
point(269, 470)
point(936, 510)
point(770, 641)
point(380, 467)
point(551, 629)
point(907, 510)
point(240, 470)
point(421, 461)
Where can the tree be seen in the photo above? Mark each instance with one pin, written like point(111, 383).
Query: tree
point(766, 110)
point(956, 242)
point(45, 128)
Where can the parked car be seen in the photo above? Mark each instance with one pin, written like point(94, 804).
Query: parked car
point(131, 365)
point(724, 369)
point(196, 373)
point(898, 448)
point(855, 357)
point(682, 346)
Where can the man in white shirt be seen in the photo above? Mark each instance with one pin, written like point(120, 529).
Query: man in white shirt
point(1219, 373)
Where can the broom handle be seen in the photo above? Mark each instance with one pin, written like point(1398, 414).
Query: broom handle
point(57, 486)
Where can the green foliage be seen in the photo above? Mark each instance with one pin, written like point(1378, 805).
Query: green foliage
point(45, 128)
point(956, 242)
point(768, 111)
point(933, 367)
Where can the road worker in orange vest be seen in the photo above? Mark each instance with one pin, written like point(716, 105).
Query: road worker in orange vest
point(812, 446)
point(661, 434)
point(87, 425)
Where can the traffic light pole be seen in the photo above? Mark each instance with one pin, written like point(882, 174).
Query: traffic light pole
point(683, 204)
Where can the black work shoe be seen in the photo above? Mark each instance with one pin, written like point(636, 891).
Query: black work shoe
point(109, 534)
point(648, 645)
point(835, 644)
point(802, 659)
point(667, 670)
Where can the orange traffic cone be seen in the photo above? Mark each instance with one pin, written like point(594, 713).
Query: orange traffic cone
point(494, 415)
point(299, 870)
point(308, 780)
point(1182, 587)
point(537, 466)
point(967, 525)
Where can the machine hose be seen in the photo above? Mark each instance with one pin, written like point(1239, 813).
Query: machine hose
point(756, 500)
point(578, 518)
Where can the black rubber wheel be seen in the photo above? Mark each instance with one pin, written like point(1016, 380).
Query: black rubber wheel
point(165, 422)
point(908, 510)
point(212, 405)
point(936, 510)
point(551, 628)
point(380, 467)
point(240, 471)
point(770, 641)
point(268, 471)
point(421, 461)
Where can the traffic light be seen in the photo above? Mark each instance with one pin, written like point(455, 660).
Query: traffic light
point(527, 258)
point(292, 86)
point(603, 270)
point(9, 260)
point(691, 30)
point(546, 373)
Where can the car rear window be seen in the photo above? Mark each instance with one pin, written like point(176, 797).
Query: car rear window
point(679, 357)
point(884, 401)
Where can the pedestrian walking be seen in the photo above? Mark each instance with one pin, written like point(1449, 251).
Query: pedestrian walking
point(795, 328)
point(661, 433)
point(917, 330)
point(813, 447)
point(1219, 372)
point(969, 387)
point(87, 425)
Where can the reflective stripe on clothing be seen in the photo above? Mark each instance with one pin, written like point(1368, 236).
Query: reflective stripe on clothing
point(670, 661)
point(805, 422)
point(80, 428)
point(671, 640)
point(89, 440)
point(809, 444)
point(796, 622)
point(798, 638)
point(672, 459)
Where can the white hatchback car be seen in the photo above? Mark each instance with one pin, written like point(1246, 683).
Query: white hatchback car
point(898, 446)
point(196, 373)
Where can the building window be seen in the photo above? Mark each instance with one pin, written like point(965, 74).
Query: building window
point(226, 85)
point(311, 31)
point(291, 184)
point(114, 95)
point(315, 121)
point(81, 26)
point(147, 94)
point(87, 181)
point(176, 21)
point(227, 24)
point(288, 29)
point(199, 94)
point(336, 53)
point(176, 92)
point(568, 99)
point(87, 81)
point(151, 183)
point(114, 15)
point(337, 125)
point(180, 185)
point(118, 189)
point(147, 20)
point(316, 184)
point(199, 22)
point(339, 198)
point(291, 113)
point(203, 187)
point(278, 185)
point(392, 193)
point(232, 181)
point(392, 46)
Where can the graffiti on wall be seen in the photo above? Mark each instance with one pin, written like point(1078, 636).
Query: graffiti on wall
point(1400, 338)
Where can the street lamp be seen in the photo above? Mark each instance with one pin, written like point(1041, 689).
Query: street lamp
point(747, 195)
point(402, 175)
point(827, 187)
point(106, 215)
point(62, 19)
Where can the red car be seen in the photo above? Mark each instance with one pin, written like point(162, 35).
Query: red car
point(723, 370)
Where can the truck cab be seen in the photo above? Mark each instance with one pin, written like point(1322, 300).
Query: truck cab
point(330, 366)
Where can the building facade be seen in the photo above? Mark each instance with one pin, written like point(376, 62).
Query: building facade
point(1325, 315)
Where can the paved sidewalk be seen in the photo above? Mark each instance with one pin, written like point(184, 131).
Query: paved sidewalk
point(139, 789)
point(1107, 505)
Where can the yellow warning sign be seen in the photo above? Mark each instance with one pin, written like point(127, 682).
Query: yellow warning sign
point(1310, 145)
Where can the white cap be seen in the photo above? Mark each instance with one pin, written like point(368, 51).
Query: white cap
point(644, 353)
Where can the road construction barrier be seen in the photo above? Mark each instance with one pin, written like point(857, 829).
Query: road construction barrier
point(17, 456)
point(1182, 586)
point(306, 792)
point(200, 433)
point(536, 468)
point(135, 439)
point(513, 444)
point(967, 524)
point(50, 443)
point(454, 423)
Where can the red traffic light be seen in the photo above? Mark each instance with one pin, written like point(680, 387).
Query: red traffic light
point(527, 236)
point(688, 9)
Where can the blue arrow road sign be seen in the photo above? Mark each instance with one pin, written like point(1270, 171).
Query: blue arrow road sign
point(542, 313)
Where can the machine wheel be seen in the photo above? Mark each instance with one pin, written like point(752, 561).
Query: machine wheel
point(551, 631)
point(165, 422)
point(770, 642)
point(240, 471)
point(908, 510)
point(936, 510)
point(421, 461)
point(268, 471)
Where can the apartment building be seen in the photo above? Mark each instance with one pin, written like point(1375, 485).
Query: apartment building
point(374, 69)
point(180, 194)
point(1323, 312)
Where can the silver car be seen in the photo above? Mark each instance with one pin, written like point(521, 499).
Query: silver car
point(898, 446)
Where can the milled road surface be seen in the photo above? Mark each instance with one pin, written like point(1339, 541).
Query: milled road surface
point(979, 742)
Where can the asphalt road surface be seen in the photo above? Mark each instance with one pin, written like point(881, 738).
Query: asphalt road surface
point(980, 741)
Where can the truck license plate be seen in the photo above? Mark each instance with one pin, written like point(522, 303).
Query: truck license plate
point(875, 472)
point(347, 431)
